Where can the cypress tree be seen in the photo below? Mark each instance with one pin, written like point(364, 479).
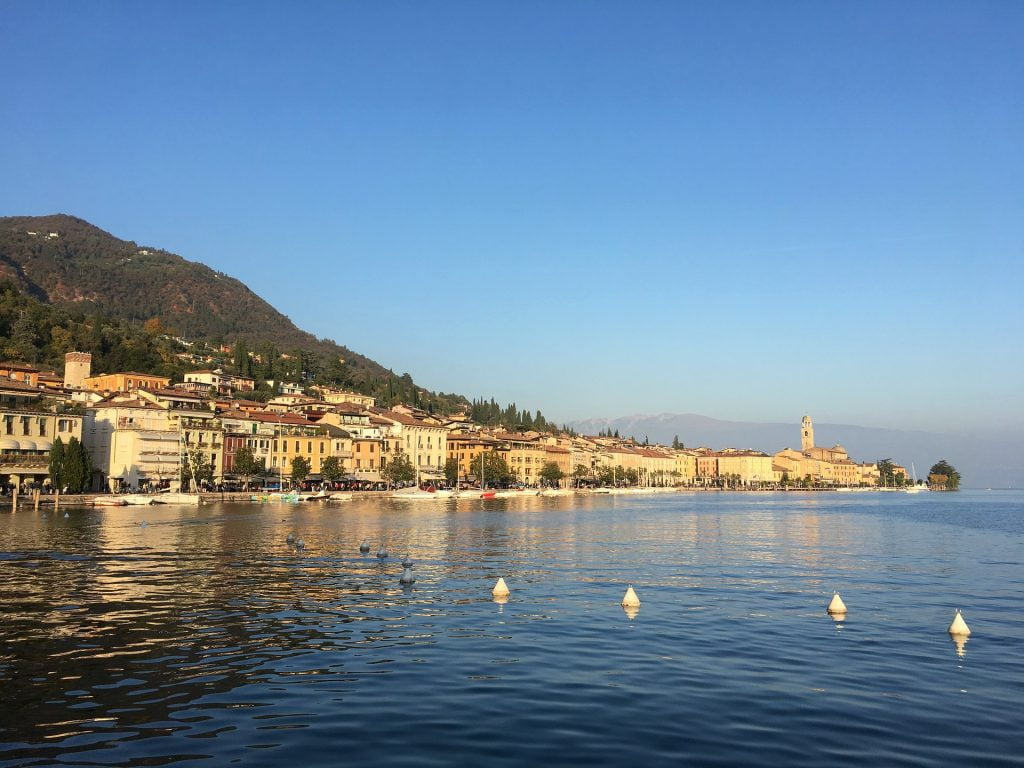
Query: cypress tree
point(57, 464)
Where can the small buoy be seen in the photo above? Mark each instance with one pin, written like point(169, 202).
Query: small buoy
point(291, 538)
point(630, 600)
point(959, 626)
point(500, 588)
point(407, 562)
point(364, 546)
point(500, 599)
point(407, 577)
point(837, 606)
point(382, 552)
point(300, 544)
point(143, 524)
point(66, 514)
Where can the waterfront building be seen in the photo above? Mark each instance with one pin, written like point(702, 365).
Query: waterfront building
point(423, 441)
point(746, 467)
point(465, 448)
point(27, 431)
point(522, 453)
point(131, 443)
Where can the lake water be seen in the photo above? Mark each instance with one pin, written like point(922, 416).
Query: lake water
point(203, 637)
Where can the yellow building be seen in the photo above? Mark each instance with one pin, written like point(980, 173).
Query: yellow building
point(746, 467)
point(685, 466)
point(524, 456)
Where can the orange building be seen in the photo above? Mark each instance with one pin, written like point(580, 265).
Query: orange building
point(125, 382)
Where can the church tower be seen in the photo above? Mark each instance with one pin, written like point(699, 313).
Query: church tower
point(806, 434)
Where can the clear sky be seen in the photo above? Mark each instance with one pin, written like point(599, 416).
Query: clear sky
point(749, 210)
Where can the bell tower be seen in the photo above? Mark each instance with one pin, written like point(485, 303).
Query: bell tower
point(806, 434)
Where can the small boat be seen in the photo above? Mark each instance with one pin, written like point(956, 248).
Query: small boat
point(137, 499)
point(109, 501)
point(488, 495)
point(341, 496)
point(177, 497)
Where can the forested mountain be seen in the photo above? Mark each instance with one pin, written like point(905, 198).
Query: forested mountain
point(121, 301)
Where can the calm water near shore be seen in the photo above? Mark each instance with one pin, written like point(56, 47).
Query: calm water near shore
point(204, 638)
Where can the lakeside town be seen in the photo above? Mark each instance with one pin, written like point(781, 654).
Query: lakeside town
point(142, 432)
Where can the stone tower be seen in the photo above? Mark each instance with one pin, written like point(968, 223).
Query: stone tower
point(77, 367)
point(806, 434)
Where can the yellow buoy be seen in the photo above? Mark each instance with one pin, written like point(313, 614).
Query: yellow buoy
point(500, 588)
point(837, 605)
point(959, 627)
point(630, 600)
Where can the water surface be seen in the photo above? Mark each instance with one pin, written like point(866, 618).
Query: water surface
point(203, 637)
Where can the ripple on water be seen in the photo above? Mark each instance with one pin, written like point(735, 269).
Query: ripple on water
point(131, 645)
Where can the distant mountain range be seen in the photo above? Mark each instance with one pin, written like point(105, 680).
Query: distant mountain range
point(985, 459)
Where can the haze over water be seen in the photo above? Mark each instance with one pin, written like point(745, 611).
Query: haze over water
point(204, 638)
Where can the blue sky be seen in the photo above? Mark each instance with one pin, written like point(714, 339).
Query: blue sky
point(746, 210)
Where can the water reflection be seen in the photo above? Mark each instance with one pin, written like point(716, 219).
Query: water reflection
point(131, 644)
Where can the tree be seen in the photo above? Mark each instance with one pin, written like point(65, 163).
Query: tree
point(944, 474)
point(77, 469)
point(581, 471)
point(331, 469)
point(300, 469)
point(676, 445)
point(57, 464)
point(886, 474)
point(491, 469)
point(551, 474)
point(399, 470)
point(451, 471)
point(247, 465)
point(195, 466)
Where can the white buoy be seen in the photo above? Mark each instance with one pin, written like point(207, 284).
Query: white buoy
point(407, 577)
point(837, 606)
point(630, 600)
point(382, 552)
point(364, 546)
point(407, 562)
point(959, 627)
point(66, 515)
point(500, 588)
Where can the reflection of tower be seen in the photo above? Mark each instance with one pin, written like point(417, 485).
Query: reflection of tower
point(77, 367)
point(806, 434)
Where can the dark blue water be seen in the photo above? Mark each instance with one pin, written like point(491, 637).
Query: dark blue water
point(204, 638)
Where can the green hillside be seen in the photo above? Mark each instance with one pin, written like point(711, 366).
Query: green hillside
point(86, 280)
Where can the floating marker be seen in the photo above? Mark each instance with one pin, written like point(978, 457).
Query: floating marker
point(382, 552)
point(500, 588)
point(300, 544)
point(143, 524)
point(66, 514)
point(364, 546)
point(407, 562)
point(837, 606)
point(959, 626)
point(407, 577)
point(500, 599)
point(630, 600)
point(291, 538)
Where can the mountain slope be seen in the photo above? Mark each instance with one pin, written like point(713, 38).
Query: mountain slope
point(84, 268)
